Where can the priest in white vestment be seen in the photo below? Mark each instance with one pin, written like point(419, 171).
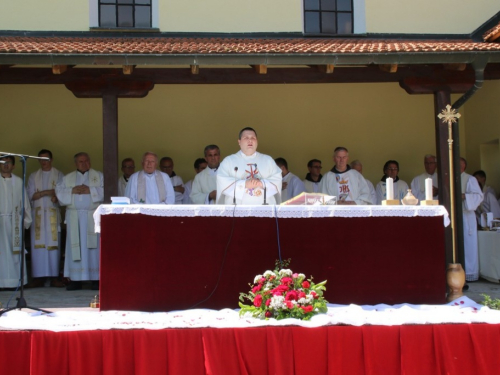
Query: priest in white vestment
point(81, 191)
point(150, 186)
point(347, 184)
point(313, 178)
point(11, 193)
point(291, 185)
point(357, 165)
point(489, 203)
point(128, 169)
point(391, 169)
point(167, 166)
point(481, 178)
point(472, 196)
point(248, 177)
point(418, 183)
point(205, 183)
point(199, 165)
point(46, 228)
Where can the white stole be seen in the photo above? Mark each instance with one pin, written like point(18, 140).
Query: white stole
point(40, 241)
point(17, 204)
point(141, 187)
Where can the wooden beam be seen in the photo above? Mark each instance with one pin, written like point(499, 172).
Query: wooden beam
point(427, 85)
point(328, 68)
point(97, 88)
point(59, 69)
point(494, 37)
point(457, 67)
point(260, 69)
point(110, 144)
point(6, 66)
point(128, 69)
point(195, 69)
point(390, 68)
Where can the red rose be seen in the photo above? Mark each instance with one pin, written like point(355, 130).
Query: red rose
point(307, 308)
point(302, 295)
point(315, 295)
point(262, 280)
point(306, 284)
point(268, 302)
point(257, 300)
point(269, 314)
point(255, 289)
point(289, 304)
point(291, 296)
point(279, 290)
point(286, 281)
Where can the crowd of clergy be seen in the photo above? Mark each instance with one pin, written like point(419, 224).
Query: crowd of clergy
point(246, 177)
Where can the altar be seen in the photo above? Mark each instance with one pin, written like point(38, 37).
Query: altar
point(163, 258)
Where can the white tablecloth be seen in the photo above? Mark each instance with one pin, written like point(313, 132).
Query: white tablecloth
point(489, 255)
point(269, 211)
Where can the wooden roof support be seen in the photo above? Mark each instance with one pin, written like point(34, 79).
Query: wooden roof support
point(128, 69)
point(260, 69)
point(328, 68)
point(390, 68)
point(195, 69)
point(59, 69)
point(458, 67)
point(5, 66)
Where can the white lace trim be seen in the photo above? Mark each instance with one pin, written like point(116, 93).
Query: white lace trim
point(284, 212)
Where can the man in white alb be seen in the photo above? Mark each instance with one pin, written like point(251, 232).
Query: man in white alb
point(291, 185)
point(11, 193)
point(391, 169)
point(347, 184)
point(199, 165)
point(357, 165)
point(150, 186)
point(248, 177)
point(167, 166)
point(81, 191)
point(205, 183)
point(489, 203)
point(46, 228)
point(418, 183)
point(128, 169)
point(313, 178)
point(472, 196)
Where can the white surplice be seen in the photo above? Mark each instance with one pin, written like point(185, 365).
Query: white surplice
point(177, 181)
point(418, 185)
point(489, 204)
point(188, 187)
point(122, 186)
point(10, 230)
point(46, 229)
point(400, 190)
point(294, 187)
point(311, 187)
point(350, 184)
point(204, 183)
point(81, 240)
point(237, 168)
point(152, 194)
point(373, 193)
point(473, 198)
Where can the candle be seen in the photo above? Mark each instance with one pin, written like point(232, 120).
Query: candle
point(428, 189)
point(389, 188)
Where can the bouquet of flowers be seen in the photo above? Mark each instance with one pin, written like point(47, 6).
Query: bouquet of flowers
point(282, 294)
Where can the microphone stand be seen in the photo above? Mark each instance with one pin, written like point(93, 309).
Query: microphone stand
point(21, 301)
point(234, 192)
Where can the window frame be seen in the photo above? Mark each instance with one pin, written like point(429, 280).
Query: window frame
point(94, 17)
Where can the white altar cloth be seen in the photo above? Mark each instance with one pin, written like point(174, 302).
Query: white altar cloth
point(270, 211)
point(462, 310)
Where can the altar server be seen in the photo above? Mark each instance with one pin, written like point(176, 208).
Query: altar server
point(418, 183)
point(357, 165)
point(248, 177)
point(205, 183)
point(291, 185)
point(313, 178)
point(347, 184)
point(128, 169)
point(167, 166)
point(81, 191)
point(150, 186)
point(46, 229)
point(391, 169)
point(11, 193)
point(472, 196)
point(199, 165)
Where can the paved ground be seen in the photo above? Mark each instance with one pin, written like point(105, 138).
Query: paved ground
point(61, 298)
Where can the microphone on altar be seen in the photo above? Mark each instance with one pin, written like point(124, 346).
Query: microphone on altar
point(264, 186)
point(234, 193)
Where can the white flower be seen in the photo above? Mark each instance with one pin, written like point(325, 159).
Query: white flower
point(278, 302)
point(269, 273)
point(257, 279)
point(285, 272)
point(302, 276)
point(309, 298)
point(302, 301)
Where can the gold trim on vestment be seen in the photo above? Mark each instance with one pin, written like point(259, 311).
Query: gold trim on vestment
point(38, 224)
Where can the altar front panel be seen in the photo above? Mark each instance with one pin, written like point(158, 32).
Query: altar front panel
point(156, 263)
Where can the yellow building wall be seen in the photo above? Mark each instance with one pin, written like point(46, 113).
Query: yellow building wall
point(376, 122)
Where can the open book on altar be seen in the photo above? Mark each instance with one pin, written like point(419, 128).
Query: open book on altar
point(311, 199)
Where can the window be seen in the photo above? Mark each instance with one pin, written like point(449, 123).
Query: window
point(128, 14)
point(328, 17)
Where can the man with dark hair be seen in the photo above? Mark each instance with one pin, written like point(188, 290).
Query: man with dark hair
point(81, 191)
point(248, 177)
point(313, 178)
point(128, 169)
point(489, 203)
point(199, 165)
point(205, 183)
point(167, 166)
point(291, 185)
point(11, 196)
point(46, 229)
point(347, 184)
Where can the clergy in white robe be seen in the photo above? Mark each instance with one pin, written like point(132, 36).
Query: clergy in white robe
point(46, 228)
point(472, 196)
point(128, 169)
point(357, 165)
point(81, 191)
point(418, 183)
point(205, 182)
point(313, 178)
point(489, 204)
point(167, 166)
point(291, 185)
point(11, 192)
point(150, 186)
point(248, 177)
point(391, 169)
point(345, 183)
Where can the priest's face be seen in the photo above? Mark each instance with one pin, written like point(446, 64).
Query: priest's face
point(167, 166)
point(213, 158)
point(430, 165)
point(7, 167)
point(128, 168)
point(82, 163)
point(248, 142)
point(340, 159)
point(46, 165)
point(392, 170)
point(201, 167)
point(149, 163)
point(315, 169)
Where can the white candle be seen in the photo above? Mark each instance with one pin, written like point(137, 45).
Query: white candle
point(389, 188)
point(428, 189)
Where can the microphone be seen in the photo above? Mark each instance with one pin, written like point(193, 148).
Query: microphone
point(234, 193)
point(263, 185)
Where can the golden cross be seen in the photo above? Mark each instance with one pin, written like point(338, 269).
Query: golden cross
point(449, 115)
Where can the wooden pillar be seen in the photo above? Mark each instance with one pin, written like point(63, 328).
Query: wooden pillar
point(110, 145)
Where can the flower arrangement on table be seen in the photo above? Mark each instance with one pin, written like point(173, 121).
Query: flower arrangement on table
point(282, 294)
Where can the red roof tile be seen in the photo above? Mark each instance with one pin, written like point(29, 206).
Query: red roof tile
point(165, 46)
point(492, 34)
